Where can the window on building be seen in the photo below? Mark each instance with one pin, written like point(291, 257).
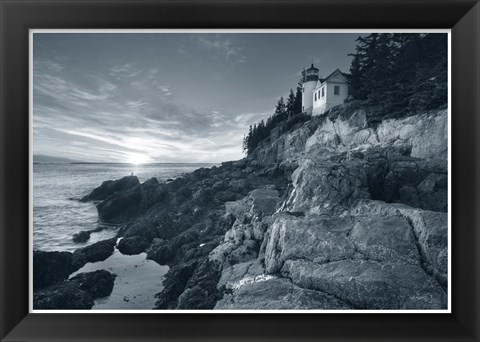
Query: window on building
point(323, 92)
point(315, 96)
point(336, 90)
point(303, 90)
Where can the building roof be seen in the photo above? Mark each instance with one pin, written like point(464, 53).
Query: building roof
point(334, 72)
point(322, 81)
point(312, 68)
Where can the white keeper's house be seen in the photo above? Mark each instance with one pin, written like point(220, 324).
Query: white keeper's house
point(321, 94)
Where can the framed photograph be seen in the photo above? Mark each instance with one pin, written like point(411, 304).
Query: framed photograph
point(293, 168)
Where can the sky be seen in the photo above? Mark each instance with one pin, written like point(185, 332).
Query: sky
point(166, 97)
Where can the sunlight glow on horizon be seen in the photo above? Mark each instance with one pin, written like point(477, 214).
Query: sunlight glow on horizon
point(137, 159)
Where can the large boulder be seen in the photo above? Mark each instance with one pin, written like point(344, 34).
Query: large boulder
point(110, 187)
point(98, 283)
point(121, 205)
point(81, 237)
point(269, 293)
point(343, 134)
point(98, 251)
point(427, 134)
point(312, 238)
point(261, 201)
point(52, 267)
point(133, 245)
point(233, 275)
point(429, 231)
point(388, 238)
point(126, 198)
point(369, 284)
point(62, 296)
point(325, 180)
point(164, 251)
point(76, 293)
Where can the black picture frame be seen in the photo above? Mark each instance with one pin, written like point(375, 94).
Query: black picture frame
point(18, 16)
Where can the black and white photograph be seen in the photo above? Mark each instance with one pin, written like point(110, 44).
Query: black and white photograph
point(256, 171)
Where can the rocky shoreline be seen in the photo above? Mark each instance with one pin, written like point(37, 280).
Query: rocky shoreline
point(330, 214)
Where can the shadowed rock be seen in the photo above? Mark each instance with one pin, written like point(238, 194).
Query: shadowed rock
point(52, 267)
point(65, 296)
point(98, 283)
point(121, 205)
point(174, 285)
point(98, 251)
point(76, 293)
point(82, 236)
point(109, 187)
point(133, 245)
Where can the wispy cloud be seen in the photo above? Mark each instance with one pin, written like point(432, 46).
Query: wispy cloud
point(126, 70)
point(100, 117)
point(217, 46)
point(222, 46)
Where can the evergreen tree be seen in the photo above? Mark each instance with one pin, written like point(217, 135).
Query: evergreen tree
point(290, 106)
point(399, 74)
point(280, 109)
point(297, 105)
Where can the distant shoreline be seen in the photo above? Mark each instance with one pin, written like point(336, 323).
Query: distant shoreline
point(112, 163)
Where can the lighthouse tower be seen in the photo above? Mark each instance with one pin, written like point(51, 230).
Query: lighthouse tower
point(311, 79)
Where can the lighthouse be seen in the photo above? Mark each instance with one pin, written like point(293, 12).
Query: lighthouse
point(311, 79)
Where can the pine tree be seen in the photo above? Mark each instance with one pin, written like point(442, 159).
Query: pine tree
point(399, 74)
point(280, 109)
point(297, 106)
point(290, 106)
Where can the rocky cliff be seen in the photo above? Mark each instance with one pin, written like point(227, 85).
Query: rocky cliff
point(331, 214)
point(363, 224)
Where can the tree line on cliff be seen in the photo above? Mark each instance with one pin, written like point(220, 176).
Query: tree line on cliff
point(286, 114)
point(392, 74)
point(399, 74)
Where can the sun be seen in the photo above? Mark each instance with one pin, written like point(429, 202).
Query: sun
point(137, 159)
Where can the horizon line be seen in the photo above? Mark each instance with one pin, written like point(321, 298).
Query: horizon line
point(125, 163)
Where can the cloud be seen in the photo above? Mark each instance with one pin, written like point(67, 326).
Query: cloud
point(101, 117)
point(246, 119)
point(124, 71)
point(223, 46)
point(218, 46)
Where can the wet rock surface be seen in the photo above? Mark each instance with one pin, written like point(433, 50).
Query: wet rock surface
point(133, 245)
point(98, 251)
point(75, 293)
point(98, 283)
point(82, 236)
point(52, 267)
point(66, 296)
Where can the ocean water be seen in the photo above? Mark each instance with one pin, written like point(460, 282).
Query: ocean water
point(57, 213)
point(137, 281)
